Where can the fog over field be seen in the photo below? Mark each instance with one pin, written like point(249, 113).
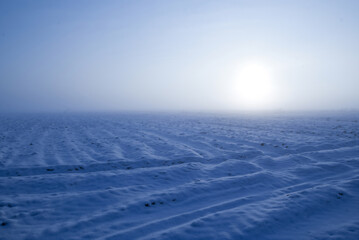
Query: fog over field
point(178, 55)
point(179, 120)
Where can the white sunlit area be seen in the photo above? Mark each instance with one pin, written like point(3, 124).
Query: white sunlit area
point(254, 87)
point(201, 120)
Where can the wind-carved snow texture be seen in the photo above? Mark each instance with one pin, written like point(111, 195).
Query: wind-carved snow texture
point(143, 176)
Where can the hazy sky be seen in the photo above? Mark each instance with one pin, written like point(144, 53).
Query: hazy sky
point(178, 55)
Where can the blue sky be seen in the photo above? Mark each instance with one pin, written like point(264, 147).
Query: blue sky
point(178, 55)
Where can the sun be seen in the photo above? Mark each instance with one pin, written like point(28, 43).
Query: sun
point(253, 86)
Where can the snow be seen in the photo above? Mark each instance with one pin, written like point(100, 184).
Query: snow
point(179, 176)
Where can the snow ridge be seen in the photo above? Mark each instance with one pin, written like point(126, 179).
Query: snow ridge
point(172, 176)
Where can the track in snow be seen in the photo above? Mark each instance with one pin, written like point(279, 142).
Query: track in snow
point(172, 176)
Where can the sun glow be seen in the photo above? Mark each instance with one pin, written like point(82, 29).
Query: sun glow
point(254, 87)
